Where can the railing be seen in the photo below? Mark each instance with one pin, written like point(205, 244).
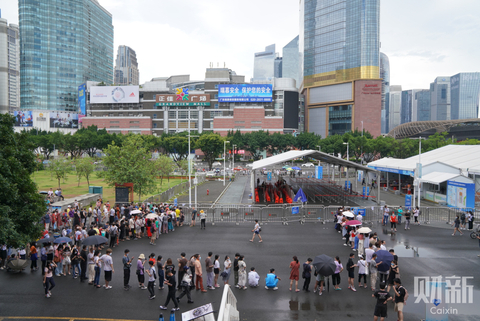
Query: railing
point(286, 213)
point(228, 307)
point(171, 192)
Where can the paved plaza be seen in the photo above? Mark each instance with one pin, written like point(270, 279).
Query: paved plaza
point(422, 251)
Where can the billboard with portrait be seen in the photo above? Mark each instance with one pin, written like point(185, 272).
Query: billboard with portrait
point(245, 93)
point(81, 99)
point(63, 120)
point(114, 95)
point(23, 118)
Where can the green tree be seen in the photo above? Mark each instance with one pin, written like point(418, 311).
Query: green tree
point(256, 142)
point(84, 167)
point(307, 141)
point(176, 146)
point(21, 207)
point(211, 145)
point(130, 163)
point(164, 166)
point(72, 145)
point(59, 168)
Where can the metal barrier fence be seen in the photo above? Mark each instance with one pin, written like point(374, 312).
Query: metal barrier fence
point(171, 192)
point(288, 213)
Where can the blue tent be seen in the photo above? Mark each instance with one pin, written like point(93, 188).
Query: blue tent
point(300, 196)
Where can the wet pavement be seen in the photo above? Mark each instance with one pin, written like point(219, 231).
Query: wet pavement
point(422, 251)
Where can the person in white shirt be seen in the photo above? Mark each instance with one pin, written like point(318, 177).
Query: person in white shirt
point(382, 246)
point(256, 231)
point(90, 266)
point(362, 271)
point(359, 217)
point(131, 227)
point(369, 252)
point(253, 277)
point(107, 267)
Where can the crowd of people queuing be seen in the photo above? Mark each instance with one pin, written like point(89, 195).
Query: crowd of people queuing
point(119, 223)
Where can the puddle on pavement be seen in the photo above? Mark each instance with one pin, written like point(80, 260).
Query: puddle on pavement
point(403, 249)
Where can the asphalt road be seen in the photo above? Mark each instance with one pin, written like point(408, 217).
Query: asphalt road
point(436, 253)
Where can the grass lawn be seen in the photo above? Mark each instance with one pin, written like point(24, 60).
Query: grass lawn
point(70, 188)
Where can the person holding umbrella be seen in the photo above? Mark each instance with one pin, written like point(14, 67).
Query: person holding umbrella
point(324, 266)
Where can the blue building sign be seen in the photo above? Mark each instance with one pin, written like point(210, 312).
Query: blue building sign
point(460, 195)
point(319, 172)
point(245, 93)
point(81, 99)
point(392, 170)
point(408, 201)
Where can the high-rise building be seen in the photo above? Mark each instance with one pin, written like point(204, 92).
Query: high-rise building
point(9, 67)
point(385, 76)
point(339, 57)
point(62, 45)
point(264, 64)
point(290, 61)
point(394, 107)
point(126, 67)
point(277, 72)
point(421, 105)
point(440, 99)
point(465, 95)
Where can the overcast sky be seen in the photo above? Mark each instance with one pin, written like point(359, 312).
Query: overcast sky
point(423, 38)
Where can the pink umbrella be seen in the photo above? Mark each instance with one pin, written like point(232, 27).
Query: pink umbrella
point(353, 223)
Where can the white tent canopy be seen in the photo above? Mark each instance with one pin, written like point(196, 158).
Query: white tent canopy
point(438, 177)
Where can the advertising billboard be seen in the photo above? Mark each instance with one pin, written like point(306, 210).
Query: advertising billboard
point(245, 93)
point(183, 98)
point(63, 120)
point(81, 99)
point(461, 195)
point(114, 94)
point(23, 118)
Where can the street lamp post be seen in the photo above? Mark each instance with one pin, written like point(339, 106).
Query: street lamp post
point(319, 149)
point(233, 158)
point(189, 173)
point(348, 155)
point(362, 127)
point(224, 157)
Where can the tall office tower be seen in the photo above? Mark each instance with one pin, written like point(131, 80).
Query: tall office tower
point(126, 67)
point(385, 76)
point(9, 67)
point(394, 107)
point(290, 61)
point(264, 64)
point(440, 99)
point(465, 95)
point(339, 59)
point(63, 44)
point(421, 105)
point(277, 69)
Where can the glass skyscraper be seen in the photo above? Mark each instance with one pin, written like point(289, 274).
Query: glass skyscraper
point(340, 40)
point(440, 99)
point(62, 45)
point(290, 63)
point(465, 95)
point(126, 67)
point(264, 64)
point(385, 76)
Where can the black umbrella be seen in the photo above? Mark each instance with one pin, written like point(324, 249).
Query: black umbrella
point(386, 258)
point(324, 265)
point(63, 240)
point(46, 240)
point(94, 240)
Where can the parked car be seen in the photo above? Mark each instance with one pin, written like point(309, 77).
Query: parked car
point(216, 164)
point(249, 165)
point(308, 165)
point(210, 174)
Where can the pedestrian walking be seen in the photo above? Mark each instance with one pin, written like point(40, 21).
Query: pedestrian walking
point(185, 285)
point(382, 297)
point(172, 285)
point(161, 272)
point(294, 273)
point(407, 219)
point(256, 231)
point(362, 272)
point(336, 276)
point(456, 223)
point(182, 262)
point(33, 257)
point(401, 296)
point(242, 273)
point(152, 276)
point(209, 271)
point(48, 282)
point(307, 274)
point(127, 264)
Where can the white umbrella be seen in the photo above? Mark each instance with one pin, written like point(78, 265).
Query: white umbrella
point(135, 212)
point(151, 216)
point(348, 214)
point(364, 230)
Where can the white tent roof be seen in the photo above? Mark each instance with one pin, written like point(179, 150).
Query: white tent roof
point(284, 157)
point(439, 177)
point(464, 157)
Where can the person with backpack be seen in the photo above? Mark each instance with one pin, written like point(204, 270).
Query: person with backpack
point(185, 285)
point(152, 276)
point(393, 222)
point(457, 226)
point(462, 221)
